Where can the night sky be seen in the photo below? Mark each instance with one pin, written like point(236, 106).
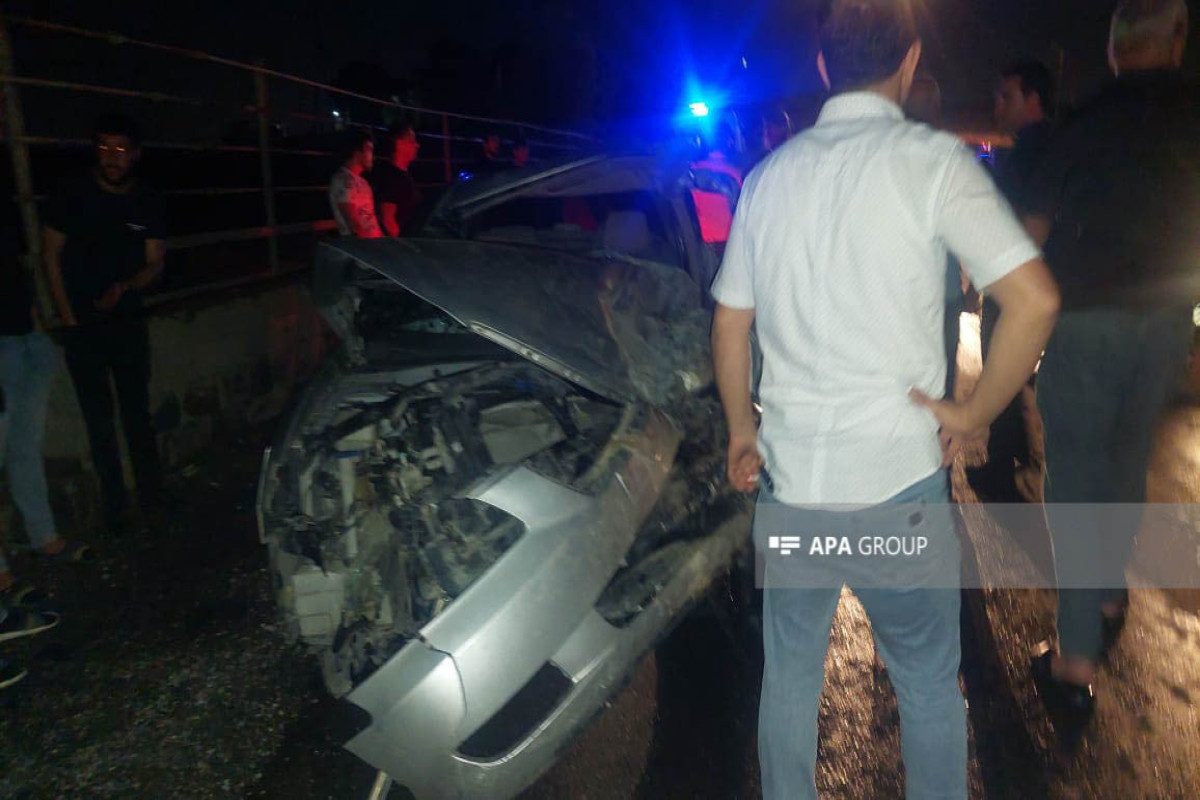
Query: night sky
point(634, 56)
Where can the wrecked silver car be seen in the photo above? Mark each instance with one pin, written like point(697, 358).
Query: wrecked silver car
point(510, 485)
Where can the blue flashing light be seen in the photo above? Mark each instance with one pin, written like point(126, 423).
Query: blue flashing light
point(699, 109)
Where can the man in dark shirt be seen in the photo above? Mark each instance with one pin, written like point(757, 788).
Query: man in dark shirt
point(1024, 106)
point(1115, 202)
point(489, 157)
point(776, 130)
point(103, 245)
point(396, 194)
point(1024, 103)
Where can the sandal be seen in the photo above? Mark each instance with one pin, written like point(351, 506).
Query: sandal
point(74, 552)
point(11, 673)
point(18, 622)
point(22, 594)
point(1070, 706)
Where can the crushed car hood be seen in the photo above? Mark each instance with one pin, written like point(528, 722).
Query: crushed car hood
point(622, 328)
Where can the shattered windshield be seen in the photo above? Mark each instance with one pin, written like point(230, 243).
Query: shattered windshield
point(621, 224)
point(620, 326)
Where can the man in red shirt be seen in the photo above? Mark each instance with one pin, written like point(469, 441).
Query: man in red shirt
point(350, 195)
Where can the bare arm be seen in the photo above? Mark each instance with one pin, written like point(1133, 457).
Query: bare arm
point(731, 363)
point(53, 243)
point(356, 223)
point(351, 219)
point(1029, 302)
point(1038, 228)
point(388, 221)
point(156, 253)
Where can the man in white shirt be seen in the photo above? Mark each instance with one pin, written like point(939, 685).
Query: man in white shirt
point(350, 195)
point(838, 256)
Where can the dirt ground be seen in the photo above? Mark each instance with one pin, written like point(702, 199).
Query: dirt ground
point(167, 676)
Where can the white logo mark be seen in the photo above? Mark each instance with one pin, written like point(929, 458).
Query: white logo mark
point(784, 544)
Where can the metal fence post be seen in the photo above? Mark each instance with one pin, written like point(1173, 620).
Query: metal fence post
point(14, 123)
point(264, 147)
point(446, 166)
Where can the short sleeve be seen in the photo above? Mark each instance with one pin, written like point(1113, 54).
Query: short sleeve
point(734, 284)
point(978, 225)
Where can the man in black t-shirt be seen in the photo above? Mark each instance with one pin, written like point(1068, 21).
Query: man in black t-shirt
point(103, 245)
point(396, 194)
point(1024, 105)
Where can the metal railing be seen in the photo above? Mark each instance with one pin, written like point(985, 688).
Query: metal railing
point(453, 134)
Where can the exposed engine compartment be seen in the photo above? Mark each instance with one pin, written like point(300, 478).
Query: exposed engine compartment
point(509, 485)
point(372, 536)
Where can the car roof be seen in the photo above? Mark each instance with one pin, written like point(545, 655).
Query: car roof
point(571, 176)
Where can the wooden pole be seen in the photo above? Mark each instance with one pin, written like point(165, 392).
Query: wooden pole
point(14, 125)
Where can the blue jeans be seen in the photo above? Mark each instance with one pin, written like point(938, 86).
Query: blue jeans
point(26, 367)
point(917, 634)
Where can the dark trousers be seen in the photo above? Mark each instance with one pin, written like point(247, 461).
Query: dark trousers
point(120, 350)
point(1008, 442)
point(1105, 379)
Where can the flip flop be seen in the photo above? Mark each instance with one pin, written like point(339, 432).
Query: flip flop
point(22, 594)
point(11, 673)
point(19, 622)
point(74, 552)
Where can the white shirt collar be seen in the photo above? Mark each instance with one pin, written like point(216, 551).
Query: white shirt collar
point(858, 105)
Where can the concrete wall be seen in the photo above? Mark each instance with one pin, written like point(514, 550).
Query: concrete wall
point(220, 363)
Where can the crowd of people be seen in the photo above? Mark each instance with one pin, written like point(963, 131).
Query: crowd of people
point(373, 194)
point(844, 255)
point(103, 245)
point(845, 242)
